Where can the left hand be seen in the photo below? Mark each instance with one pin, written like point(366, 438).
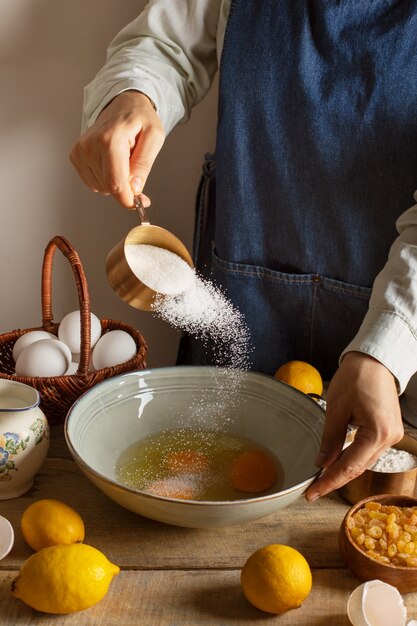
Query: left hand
point(363, 394)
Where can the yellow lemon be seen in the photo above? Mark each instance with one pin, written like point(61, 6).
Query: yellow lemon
point(49, 522)
point(302, 376)
point(64, 578)
point(276, 578)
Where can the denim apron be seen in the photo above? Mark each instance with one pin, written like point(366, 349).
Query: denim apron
point(316, 157)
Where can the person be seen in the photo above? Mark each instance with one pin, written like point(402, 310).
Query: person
point(314, 168)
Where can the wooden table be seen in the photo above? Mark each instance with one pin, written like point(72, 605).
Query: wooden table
point(178, 576)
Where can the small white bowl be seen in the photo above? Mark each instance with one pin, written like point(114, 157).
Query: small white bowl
point(113, 414)
point(6, 537)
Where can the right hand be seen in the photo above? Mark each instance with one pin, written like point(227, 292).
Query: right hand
point(362, 393)
point(115, 155)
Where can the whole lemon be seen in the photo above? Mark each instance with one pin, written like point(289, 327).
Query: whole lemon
point(276, 578)
point(49, 522)
point(302, 376)
point(64, 578)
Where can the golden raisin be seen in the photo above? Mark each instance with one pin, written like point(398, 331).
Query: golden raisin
point(374, 531)
point(386, 533)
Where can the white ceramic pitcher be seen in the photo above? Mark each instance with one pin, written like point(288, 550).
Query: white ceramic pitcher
point(24, 437)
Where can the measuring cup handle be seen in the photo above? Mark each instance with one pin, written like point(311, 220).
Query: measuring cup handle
point(140, 210)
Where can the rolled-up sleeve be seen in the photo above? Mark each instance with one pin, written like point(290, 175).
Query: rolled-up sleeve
point(168, 52)
point(389, 329)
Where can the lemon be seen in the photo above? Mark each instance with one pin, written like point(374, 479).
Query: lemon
point(64, 578)
point(302, 376)
point(49, 522)
point(276, 578)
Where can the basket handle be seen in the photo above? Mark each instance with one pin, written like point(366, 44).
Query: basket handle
point(68, 251)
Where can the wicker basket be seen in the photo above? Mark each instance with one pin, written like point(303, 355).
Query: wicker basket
point(58, 393)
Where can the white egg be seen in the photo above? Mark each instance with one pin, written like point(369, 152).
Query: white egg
point(28, 338)
point(73, 367)
point(77, 357)
point(46, 357)
point(376, 603)
point(69, 330)
point(113, 348)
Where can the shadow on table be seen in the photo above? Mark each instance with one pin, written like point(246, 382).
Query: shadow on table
point(226, 603)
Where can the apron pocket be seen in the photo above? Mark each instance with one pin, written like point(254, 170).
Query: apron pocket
point(293, 316)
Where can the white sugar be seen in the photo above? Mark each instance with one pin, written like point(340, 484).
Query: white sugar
point(394, 460)
point(205, 312)
point(159, 269)
point(192, 304)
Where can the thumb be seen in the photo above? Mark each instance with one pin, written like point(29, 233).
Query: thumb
point(143, 156)
point(136, 185)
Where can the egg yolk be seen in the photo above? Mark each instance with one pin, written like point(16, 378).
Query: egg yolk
point(252, 472)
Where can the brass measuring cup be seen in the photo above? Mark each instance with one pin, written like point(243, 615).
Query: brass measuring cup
point(122, 279)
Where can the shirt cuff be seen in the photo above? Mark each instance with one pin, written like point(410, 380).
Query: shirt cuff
point(167, 114)
point(389, 339)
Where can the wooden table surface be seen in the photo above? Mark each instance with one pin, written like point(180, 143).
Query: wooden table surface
point(179, 576)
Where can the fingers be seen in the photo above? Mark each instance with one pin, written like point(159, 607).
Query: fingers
point(124, 172)
point(85, 173)
point(333, 437)
point(115, 167)
point(116, 155)
point(354, 460)
point(363, 393)
point(145, 200)
point(148, 144)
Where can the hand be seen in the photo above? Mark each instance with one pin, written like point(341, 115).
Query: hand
point(362, 393)
point(115, 155)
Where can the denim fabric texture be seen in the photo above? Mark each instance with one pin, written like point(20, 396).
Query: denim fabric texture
point(316, 158)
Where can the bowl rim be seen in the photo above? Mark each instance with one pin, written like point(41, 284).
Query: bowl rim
point(360, 504)
point(107, 382)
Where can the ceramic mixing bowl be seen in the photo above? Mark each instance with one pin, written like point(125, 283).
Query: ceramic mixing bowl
point(112, 415)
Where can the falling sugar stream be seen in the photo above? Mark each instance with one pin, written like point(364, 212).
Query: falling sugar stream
point(195, 305)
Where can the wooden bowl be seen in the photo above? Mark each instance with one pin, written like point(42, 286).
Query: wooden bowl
point(366, 568)
point(371, 482)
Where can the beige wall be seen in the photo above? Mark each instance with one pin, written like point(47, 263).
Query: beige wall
point(49, 49)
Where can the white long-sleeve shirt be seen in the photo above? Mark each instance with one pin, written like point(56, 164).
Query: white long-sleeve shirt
point(171, 53)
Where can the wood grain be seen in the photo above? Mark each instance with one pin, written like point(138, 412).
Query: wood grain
point(190, 598)
point(177, 576)
point(133, 541)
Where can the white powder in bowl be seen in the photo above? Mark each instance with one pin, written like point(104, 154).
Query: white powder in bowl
point(394, 460)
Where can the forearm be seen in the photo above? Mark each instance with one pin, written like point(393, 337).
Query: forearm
point(389, 330)
point(168, 53)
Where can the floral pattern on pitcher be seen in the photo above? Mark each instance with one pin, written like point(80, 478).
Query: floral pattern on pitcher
point(41, 430)
point(11, 444)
